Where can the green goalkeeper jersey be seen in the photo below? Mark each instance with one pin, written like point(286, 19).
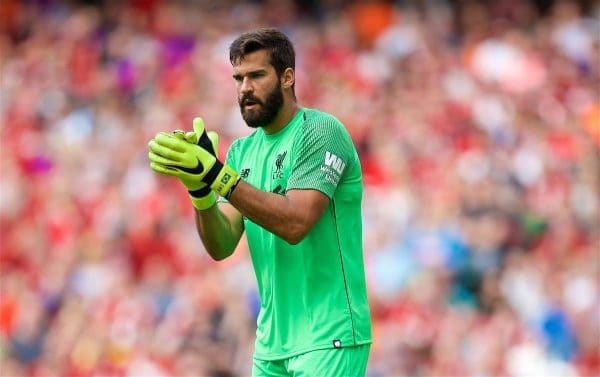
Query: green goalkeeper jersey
point(313, 294)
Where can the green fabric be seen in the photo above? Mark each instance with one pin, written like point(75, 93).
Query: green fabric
point(314, 293)
point(343, 362)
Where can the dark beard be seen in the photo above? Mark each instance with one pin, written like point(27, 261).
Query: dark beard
point(268, 109)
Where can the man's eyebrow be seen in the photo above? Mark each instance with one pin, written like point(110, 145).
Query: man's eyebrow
point(250, 73)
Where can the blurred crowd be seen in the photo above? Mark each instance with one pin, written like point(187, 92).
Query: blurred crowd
point(478, 128)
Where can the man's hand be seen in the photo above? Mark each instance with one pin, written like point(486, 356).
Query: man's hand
point(201, 194)
point(193, 164)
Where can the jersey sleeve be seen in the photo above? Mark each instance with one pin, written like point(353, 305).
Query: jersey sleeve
point(324, 153)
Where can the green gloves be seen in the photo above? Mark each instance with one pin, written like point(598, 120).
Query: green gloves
point(192, 157)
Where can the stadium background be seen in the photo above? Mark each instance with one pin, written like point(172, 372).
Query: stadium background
point(478, 128)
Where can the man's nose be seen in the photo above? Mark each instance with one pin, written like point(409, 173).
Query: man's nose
point(246, 86)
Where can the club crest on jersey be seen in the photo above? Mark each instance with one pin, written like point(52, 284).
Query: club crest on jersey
point(278, 174)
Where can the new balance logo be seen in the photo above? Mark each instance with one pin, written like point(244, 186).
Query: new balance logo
point(334, 162)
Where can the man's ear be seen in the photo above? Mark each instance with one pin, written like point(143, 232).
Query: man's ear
point(288, 78)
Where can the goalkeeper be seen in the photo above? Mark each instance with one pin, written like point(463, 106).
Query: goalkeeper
point(294, 185)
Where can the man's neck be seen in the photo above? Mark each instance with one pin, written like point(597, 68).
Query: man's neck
point(289, 109)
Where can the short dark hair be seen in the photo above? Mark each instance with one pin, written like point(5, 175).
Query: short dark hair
point(274, 41)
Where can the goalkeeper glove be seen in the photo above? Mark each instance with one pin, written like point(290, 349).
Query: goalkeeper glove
point(193, 164)
point(203, 197)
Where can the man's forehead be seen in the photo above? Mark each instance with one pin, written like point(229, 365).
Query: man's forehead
point(254, 61)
